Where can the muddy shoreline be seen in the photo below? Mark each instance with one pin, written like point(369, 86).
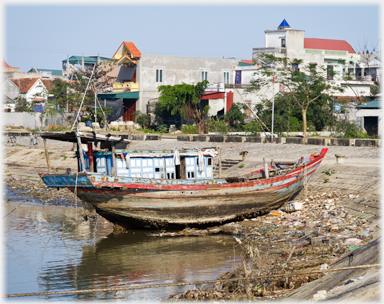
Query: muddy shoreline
point(339, 217)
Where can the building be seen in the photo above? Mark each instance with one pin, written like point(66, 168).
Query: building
point(8, 69)
point(34, 90)
point(355, 72)
point(140, 75)
point(370, 117)
point(47, 73)
point(79, 62)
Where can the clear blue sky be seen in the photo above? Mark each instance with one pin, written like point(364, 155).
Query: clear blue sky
point(43, 35)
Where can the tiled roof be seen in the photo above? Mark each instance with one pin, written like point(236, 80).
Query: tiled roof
point(328, 44)
point(131, 48)
point(5, 65)
point(25, 84)
point(48, 83)
point(247, 61)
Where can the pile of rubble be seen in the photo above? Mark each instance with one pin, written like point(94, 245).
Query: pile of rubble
point(306, 235)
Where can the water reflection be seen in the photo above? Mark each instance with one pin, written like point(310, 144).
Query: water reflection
point(49, 248)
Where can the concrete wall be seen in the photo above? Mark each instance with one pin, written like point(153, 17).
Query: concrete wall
point(177, 70)
point(273, 38)
point(27, 120)
point(10, 89)
point(295, 43)
point(21, 119)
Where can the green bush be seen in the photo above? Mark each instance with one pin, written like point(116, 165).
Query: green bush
point(149, 130)
point(253, 128)
point(142, 119)
point(219, 126)
point(162, 128)
point(189, 129)
point(347, 129)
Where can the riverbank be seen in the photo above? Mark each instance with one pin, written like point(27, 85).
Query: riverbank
point(348, 198)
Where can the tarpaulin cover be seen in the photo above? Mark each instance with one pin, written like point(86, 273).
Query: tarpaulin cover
point(238, 77)
point(126, 73)
point(117, 108)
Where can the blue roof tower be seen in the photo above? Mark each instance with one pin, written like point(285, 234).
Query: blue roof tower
point(284, 24)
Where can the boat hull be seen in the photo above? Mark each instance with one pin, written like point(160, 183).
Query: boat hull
point(145, 203)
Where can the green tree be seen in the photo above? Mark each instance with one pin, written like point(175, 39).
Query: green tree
point(22, 105)
point(184, 99)
point(85, 84)
point(304, 84)
point(235, 116)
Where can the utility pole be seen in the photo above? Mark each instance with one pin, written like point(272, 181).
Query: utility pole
point(95, 108)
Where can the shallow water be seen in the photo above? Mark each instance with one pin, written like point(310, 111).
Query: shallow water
point(51, 248)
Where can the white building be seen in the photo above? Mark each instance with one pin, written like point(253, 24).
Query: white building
point(34, 90)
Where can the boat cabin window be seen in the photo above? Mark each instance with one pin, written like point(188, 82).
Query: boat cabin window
point(153, 167)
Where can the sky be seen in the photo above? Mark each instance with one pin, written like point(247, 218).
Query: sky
point(41, 35)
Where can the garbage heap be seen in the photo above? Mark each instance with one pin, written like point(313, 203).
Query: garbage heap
point(306, 235)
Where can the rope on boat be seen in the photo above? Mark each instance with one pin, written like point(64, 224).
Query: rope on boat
point(324, 271)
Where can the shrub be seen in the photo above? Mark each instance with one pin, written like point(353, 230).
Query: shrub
point(162, 128)
point(253, 128)
point(189, 129)
point(347, 129)
point(149, 130)
point(142, 119)
point(219, 126)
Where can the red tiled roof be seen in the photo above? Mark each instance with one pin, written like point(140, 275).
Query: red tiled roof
point(131, 48)
point(328, 44)
point(48, 83)
point(25, 84)
point(247, 61)
point(5, 65)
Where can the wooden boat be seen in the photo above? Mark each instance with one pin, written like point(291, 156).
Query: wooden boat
point(174, 189)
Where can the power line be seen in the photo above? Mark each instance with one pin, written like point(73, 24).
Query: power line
point(57, 51)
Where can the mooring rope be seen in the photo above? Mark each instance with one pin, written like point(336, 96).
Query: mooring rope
point(324, 271)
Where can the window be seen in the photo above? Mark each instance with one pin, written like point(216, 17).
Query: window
point(283, 42)
point(330, 72)
point(204, 75)
point(313, 66)
point(159, 75)
point(226, 77)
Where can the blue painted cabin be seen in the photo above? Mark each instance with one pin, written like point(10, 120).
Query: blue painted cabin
point(148, 164)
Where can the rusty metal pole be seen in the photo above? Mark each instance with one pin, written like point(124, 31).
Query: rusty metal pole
point(47, 155)
point(90, 157)
point(114, 169)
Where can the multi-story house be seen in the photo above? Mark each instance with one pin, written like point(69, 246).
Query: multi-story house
point(354, 71)
point(140, 75)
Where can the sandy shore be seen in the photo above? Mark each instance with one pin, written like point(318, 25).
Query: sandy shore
point(358, 178)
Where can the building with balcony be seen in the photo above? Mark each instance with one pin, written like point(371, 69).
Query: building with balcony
point(138, 77)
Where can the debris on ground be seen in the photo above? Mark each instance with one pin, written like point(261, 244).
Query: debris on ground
point(312, 237)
